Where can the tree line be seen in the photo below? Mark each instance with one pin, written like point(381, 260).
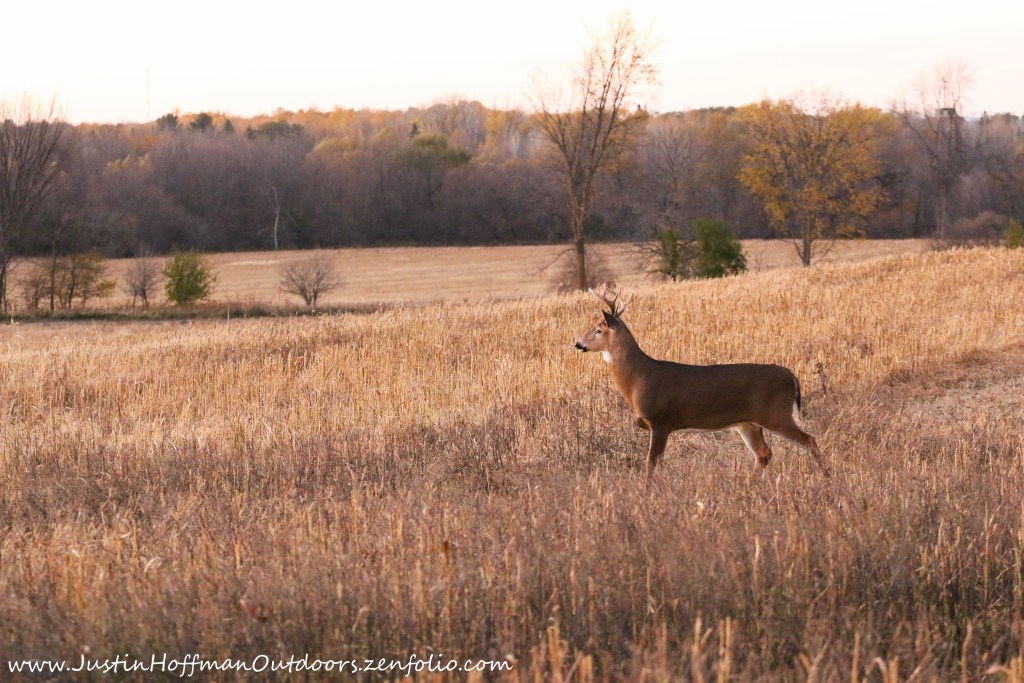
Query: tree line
point(458, 172)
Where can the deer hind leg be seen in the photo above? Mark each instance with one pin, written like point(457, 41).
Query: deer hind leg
point(792, 432)
point(753, 437)
point(659, 439)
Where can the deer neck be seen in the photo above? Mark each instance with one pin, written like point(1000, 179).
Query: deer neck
point(627, 362)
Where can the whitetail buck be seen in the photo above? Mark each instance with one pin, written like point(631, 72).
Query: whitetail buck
point(666, 396)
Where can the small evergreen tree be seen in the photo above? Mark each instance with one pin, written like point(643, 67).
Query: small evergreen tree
point(1014, 235)
point(167, 122)
point(189, 278)
point(202, 123)
point(713, 251)
point(675, 256)
point(278, 130)
point(721, 253)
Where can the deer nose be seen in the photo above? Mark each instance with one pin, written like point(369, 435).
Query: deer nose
point(580, 346)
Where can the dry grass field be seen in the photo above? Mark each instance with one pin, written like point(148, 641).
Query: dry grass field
point(457, 480)
point(416, 275)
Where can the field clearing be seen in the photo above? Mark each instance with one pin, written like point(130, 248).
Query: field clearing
point(417, 275)
point(456, 479)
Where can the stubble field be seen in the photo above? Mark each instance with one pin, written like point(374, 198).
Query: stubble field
point(456, 480)
point(393, 276)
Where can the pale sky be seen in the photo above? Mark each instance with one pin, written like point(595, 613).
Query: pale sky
point(130, 61)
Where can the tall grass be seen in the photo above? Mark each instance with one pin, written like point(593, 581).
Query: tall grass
point(457, 480)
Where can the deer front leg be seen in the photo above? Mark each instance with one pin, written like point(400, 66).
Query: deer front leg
point(659, 439)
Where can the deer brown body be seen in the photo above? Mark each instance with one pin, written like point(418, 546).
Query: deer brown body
point(667, 396)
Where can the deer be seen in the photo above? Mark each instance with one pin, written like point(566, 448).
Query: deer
point(666, 396)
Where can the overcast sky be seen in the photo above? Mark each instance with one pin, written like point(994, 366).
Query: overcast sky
point(114, 60)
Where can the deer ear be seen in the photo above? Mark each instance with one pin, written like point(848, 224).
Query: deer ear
point(610, 319)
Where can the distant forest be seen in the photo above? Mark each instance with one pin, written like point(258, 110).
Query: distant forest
point(461, 173)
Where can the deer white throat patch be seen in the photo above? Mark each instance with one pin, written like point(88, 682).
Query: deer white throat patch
point(607, 355)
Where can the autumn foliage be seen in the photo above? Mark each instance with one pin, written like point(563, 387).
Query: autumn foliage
point(813, 167)
point(458, 172)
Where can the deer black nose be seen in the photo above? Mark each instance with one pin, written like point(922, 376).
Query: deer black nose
point(580, 346)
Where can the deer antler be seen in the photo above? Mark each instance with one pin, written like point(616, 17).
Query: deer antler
point(610, 295)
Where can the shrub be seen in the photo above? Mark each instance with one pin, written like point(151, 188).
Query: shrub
point(310, 277)
point(1014, 234)
point(189, 278)
point(676, 257)
point(566, 276)
point(721, 253)
point(140, 280)
point(714, 251)
point(35, 286)
point(984, 229)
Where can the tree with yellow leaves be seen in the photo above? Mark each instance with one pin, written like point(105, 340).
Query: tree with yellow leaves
point(813, 167)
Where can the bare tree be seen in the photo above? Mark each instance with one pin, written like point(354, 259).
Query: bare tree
point(935, 117)
point(32, 156)
point(668, 154)
point(310, 277)
point(275, 201)
point(278, 162)
point(588, 127)
point(461, 122)
point(1002, 158)
point(36, 285)
point(142, 276)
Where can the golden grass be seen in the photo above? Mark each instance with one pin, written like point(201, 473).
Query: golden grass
point(403, 275)
point(456, 479)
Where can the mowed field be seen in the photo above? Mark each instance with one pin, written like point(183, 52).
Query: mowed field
point(457, 480)
point(416, 275)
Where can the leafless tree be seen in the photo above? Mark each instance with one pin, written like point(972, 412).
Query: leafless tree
point(463, 123)
point(310, 277)
point(589, 125)
point(667, 154)
point(275, 202)
point(36, 284)
point(1002, 160)
point(934, 114)
point(278, 162)
point(142, 276)
point(32, 157)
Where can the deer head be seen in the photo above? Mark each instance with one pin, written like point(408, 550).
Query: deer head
point(603, 338)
